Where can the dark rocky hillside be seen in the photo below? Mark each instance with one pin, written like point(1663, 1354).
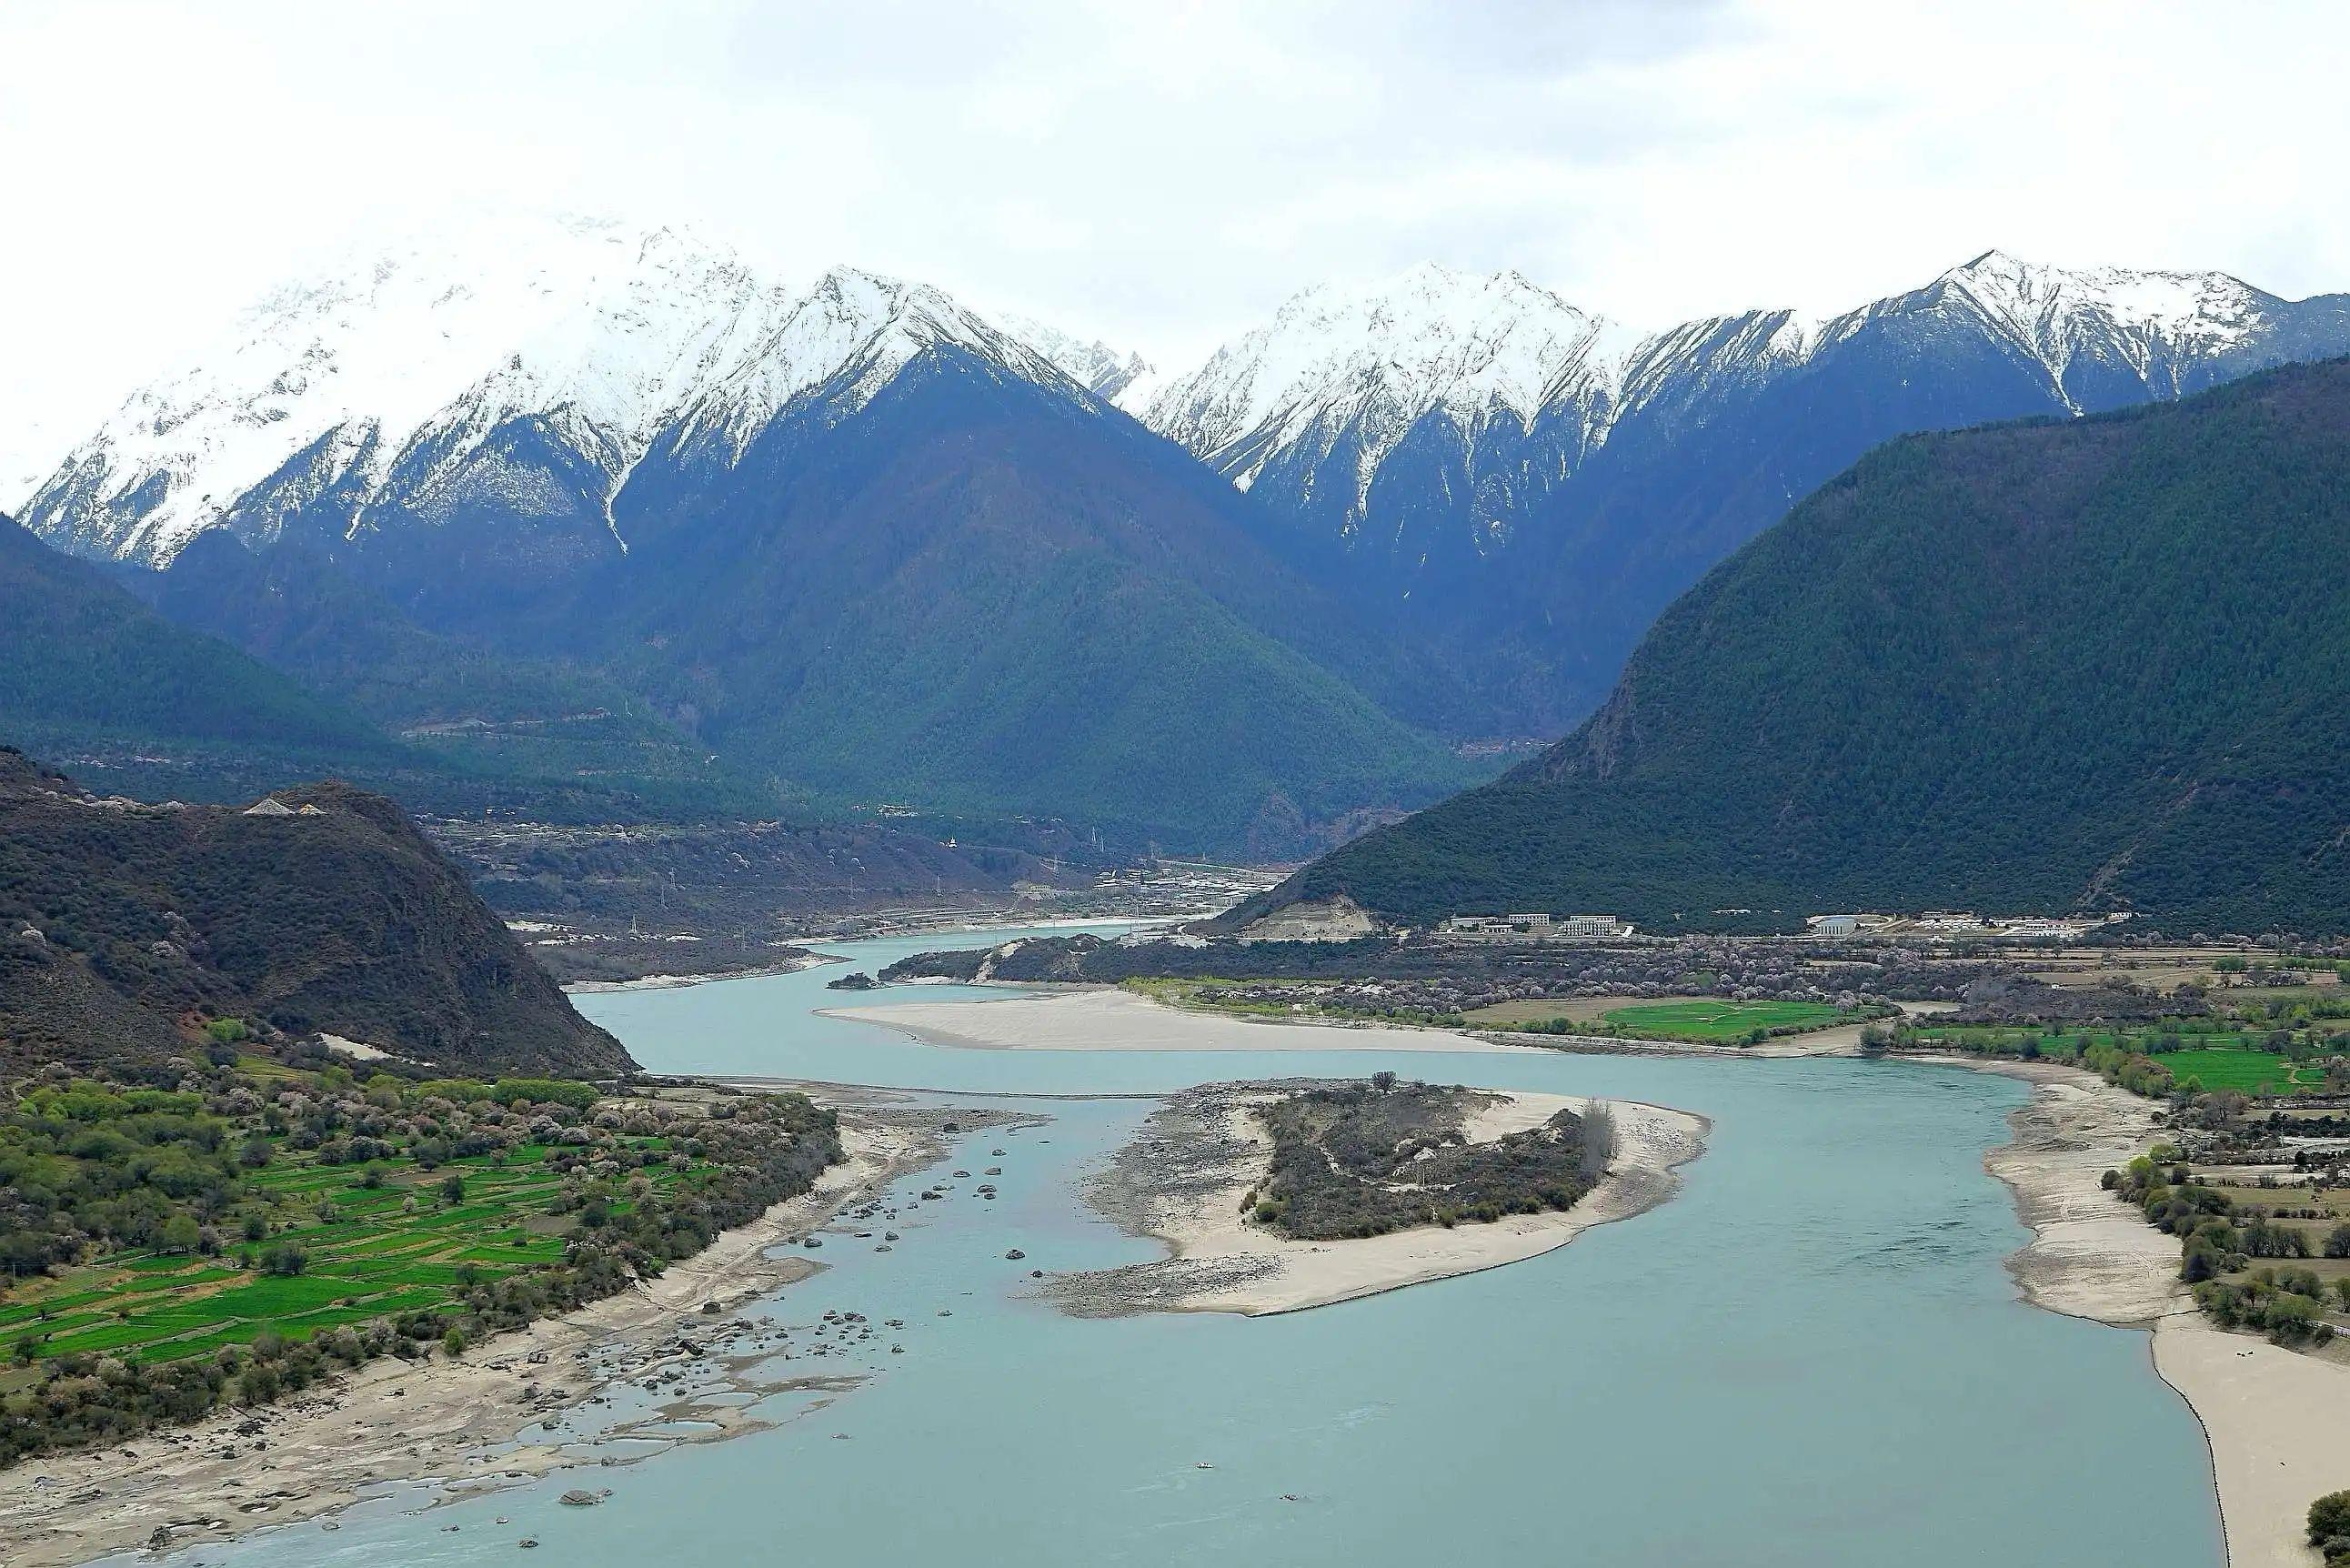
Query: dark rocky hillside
point(124, 926)
point(2092, 665)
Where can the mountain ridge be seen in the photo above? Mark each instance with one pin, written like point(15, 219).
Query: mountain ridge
point(1532, 541)
point(1458, 496)
point(2048, 666)
point(620, 531)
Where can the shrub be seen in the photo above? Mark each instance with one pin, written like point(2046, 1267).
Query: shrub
point(284, 1258)
point(2329, 1517)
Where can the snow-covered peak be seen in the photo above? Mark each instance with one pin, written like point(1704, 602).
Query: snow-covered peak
point(1354, 368)
point(2169, 302)
point(2056, 313)
point(409, 359)
point(582, 319)
point(1093, 365)
point(850, 335)
point(1376, 359)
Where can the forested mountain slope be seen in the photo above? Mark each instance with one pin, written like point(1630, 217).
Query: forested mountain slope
point(86, 667)
point(987, 596)
point(543, 726)
point(2088, 665)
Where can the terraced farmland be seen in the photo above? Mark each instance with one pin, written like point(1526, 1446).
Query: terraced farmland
point(243, 1233)
point(368, 1252)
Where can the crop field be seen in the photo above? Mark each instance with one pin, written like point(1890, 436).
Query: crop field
point(2056, 1041)
point(2248, 1071)
point(401, 1245)
point(2214, 1058)
point(1715, 1020)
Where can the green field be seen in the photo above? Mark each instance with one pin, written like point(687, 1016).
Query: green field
point(2249, 1071)
point(2212, 1057)
point(1717, 1020)
point(368, 1257)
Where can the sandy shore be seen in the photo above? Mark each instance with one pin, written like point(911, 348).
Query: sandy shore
point(390, 1420)
point(672, 981)
point(1182, 1182)
point(2278, 1422)
point(1109, 1020)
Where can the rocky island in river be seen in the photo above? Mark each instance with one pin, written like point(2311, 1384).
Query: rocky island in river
point(1273, 1197)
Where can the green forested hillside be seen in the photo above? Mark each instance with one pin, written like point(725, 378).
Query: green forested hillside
point(986, 600)
point(2098, 664)
point(541, 728)
point(84, 666)
point(311, 675)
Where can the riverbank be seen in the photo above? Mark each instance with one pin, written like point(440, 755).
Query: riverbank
point(801, 960)
point(515, 1409)
point(1183, 1180)
point(808, 952)
point(1114, 1020)
point(2278, 1422)
point(1110, 1018)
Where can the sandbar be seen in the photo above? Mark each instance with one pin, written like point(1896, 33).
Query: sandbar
point(1183, 1180)
point(1111, 1020)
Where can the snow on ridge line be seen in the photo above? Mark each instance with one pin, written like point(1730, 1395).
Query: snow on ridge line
point(615, 335)
point(1364, 363)
point(611, 335)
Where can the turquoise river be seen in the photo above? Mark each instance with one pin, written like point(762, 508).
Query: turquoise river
point(1813, 1356)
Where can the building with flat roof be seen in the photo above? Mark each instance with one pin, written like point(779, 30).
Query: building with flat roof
point(1537, 927)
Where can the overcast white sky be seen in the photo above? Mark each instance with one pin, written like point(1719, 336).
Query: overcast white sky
point(1157, 175)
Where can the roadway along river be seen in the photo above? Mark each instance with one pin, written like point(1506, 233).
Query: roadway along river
point(1812, 1357)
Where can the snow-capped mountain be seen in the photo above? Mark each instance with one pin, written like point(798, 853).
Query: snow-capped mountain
point(847, 534)
point(2155, 327)
point(389, 380)
point(481, 428)
point(1358, 368)
point(1313, 404)
point(1530, 485)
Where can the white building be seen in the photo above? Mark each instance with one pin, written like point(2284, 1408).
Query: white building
point(1537, 927)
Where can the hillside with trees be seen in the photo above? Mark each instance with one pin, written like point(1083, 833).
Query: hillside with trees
point(2078, 665)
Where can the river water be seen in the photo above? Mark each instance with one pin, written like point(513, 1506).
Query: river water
point(1813, 1356)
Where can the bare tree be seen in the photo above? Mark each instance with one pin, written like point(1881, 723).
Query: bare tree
point(1599, 1140)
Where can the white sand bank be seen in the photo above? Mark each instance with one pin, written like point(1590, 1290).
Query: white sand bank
point(1121, 1021)
point(2279, 1424)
